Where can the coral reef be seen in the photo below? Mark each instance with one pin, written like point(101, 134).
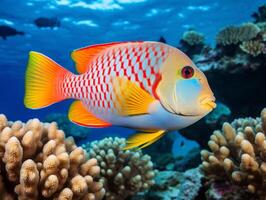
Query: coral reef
point(192, 42)
point(218, 115)
point(236, 34)
point(260, 16)
point(238, 154)
point(207, 125)
point(37, 162)
point(226, 191)
point(193, 38)
point(236, 59)
point(253, 47)
point(174, 152)
point(262, 26)
point(160, 152)
point(70, 129)
point(176, 185)
point(123, 173)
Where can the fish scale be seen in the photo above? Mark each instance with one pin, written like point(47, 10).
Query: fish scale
point(138, 63)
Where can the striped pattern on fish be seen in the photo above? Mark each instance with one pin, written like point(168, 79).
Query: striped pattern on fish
point(148, 86)
point(138, 63)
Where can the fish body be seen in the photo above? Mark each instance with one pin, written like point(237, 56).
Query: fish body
point(131, 84)
point(7, 31)
point(44, 22)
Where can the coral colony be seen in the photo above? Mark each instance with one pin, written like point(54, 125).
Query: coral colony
point(238, 154)
point(39, 161)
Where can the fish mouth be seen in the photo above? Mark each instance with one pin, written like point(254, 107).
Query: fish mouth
point(208, 102)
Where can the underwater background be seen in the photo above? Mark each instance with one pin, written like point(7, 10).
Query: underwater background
point(225, 39)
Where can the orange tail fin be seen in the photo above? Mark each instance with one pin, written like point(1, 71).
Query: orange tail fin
point(42, 84)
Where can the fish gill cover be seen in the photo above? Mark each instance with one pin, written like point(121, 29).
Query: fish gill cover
point(225, 39)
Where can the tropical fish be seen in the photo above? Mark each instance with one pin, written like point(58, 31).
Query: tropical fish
point(7, 31)
point(44, 22)
point(148, 86)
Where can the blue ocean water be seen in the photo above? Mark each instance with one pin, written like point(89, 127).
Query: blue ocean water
point(89, 22)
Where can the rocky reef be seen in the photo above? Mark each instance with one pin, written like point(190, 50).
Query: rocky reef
point(176, 185)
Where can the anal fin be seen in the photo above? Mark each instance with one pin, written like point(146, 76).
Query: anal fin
point(141, 140)
point(81, 116)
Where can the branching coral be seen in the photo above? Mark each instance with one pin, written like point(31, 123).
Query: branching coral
point(37, 163)
point(234, 34)
point(253, 47)
point(238, 154)
point(123, 173)
point(193, 38)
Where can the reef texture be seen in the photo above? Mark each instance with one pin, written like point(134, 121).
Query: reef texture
point(176, 185)
point(236, 34)
point(238, 154)
point(70, 129)
point(193, 38)
point(226, 191)
point(236, 59)
point(253, 48)
point(123, 173)
point(260, 16)
point(36, 162)
point(218, 115)
point(192, 42)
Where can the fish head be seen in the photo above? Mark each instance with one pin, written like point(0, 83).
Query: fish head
point(183, 88)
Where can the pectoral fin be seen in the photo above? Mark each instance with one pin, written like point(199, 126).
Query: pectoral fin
point(141, 140)
point(131, 99)
point(79, 115)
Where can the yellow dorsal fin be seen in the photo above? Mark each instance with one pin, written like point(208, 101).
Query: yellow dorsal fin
point(130, 98)
point(141, 140)
point(83, 56)
point(79, 115)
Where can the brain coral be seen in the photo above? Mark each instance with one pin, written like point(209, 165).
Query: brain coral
point(238, 154)
point(123, 172)
point(193, 38)
point(36, 162)
point(234, 34)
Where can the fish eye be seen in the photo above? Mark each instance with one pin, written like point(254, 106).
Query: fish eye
point(187, 72)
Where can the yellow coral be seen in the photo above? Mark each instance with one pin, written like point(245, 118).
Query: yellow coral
point(238, 154)
point(252, 47)
point(236, 34)
point(42, 164)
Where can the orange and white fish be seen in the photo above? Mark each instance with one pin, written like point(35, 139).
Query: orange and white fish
point(148, 86)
